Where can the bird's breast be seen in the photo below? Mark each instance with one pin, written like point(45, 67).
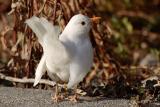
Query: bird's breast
point(84, 53)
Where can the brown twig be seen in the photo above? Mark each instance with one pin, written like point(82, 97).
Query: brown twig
point(26, 80)
point(54, 11)
point(41, 9)
point(35, 6)
point(135, 14)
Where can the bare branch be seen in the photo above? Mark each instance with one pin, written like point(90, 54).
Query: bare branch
point(26, 80)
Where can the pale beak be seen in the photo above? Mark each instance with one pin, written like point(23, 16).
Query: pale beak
point(95, 19)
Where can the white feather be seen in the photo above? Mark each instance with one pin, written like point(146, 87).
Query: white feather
point(41, 69)
point(67, 58)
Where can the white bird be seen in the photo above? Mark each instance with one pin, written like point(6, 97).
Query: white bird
point(68, 56)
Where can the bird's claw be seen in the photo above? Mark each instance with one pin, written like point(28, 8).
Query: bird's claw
point(57, 98)
point(73, 98)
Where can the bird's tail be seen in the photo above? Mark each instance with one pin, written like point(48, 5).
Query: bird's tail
point(41, 27)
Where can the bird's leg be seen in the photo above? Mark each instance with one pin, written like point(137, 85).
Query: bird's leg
point(65, 90)
point(56, 97)
point(75, 96)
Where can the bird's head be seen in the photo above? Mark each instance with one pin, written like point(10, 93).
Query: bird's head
point(80, 24)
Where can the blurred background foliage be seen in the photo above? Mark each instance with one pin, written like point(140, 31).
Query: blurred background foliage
point(126, 43)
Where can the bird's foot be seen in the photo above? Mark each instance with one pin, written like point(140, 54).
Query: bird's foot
point(57, 98)
point(73, 98)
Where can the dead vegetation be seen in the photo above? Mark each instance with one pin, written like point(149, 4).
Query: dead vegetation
point(127, 33)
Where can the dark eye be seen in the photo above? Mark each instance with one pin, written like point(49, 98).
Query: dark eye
point(83, 23)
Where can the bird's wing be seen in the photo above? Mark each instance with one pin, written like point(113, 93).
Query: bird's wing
point(56, 54)
point(41, 69)
point(41, 27)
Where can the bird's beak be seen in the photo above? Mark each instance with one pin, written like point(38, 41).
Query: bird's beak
point(95, 19)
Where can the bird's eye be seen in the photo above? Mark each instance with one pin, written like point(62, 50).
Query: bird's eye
point(83, 23)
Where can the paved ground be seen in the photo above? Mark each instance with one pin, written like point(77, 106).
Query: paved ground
point(18, 97)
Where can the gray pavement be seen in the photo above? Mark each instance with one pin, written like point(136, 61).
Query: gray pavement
point(18, 97)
